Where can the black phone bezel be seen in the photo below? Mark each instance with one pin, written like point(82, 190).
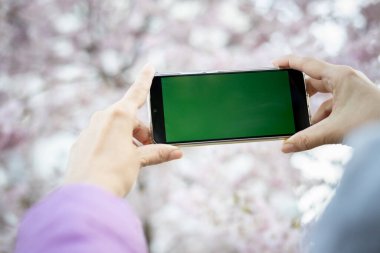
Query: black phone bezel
point(298, 95)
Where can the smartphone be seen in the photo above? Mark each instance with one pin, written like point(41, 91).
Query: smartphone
point(220, 106)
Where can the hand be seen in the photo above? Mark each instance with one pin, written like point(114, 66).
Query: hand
point(355, 101)
point(105, 154)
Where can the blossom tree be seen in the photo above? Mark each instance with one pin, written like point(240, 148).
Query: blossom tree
point(60, 60)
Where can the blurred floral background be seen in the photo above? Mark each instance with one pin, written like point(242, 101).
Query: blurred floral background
point(61, 60)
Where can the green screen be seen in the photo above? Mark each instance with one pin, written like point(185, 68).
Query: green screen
point(224, 106)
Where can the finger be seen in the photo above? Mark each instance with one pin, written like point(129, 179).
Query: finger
point(313, 86)
point(323, 111)
point(142, 133)
point(316, 135)
point(158, 153)
point(136, 142)
point(309, 87)
point(138, 92)
point(314, 68)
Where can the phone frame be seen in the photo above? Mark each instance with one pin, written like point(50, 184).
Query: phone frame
point(156, 119)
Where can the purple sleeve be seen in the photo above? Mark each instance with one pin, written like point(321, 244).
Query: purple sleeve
point(81, 218)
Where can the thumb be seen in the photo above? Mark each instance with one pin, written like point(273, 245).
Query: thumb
point(316, 135)
point(158, 153)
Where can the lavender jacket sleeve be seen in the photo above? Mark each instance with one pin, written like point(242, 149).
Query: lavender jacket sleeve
point(81, 218)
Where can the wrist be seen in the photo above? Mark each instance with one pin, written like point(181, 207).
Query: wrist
point(108, 183)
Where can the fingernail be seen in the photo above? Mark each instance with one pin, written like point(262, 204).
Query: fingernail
point(150, 66)
point(288, 147)
point(175, 154)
